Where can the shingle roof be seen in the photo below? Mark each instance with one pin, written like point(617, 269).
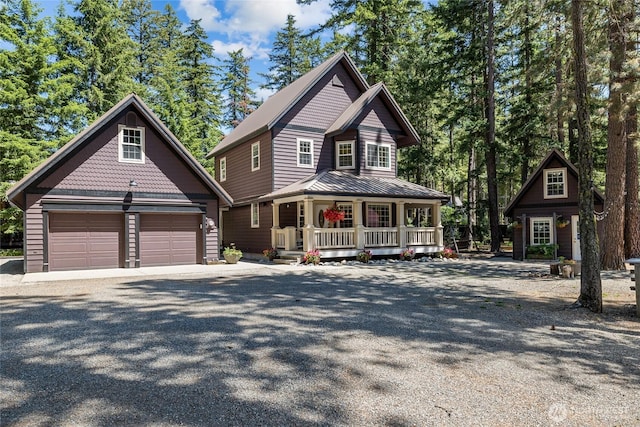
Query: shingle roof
point(61, 154)
point(268, 114)
point(331, 182)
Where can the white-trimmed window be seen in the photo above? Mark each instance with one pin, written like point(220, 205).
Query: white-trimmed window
point(301, 215)
point(347, 208)
point(345, 155)
point(305, 153)
point(378, 156)
point(378, 215)
point(541, 231)
point(255, 215)
point(555, 183)
point(223, 169)
point(130, 144)
point(255, 156)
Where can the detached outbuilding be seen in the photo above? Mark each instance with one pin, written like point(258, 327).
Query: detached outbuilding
point(123, 193)
point(545, 210)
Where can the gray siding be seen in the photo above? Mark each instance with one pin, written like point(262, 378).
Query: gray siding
point(377, 125)
point(309, 118)
point(241, 182)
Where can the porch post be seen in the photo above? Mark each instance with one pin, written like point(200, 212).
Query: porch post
point(357, 224)
point(275, 211)
point(402, 229)
point(308, 238)
point(439, 227)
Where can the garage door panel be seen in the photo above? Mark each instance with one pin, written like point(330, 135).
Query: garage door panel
point(169, 239)
point(85, 241)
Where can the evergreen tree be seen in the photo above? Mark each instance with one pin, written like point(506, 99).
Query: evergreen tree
point(236, 82)
point(292, 55)
point(202, 91)
point(24, 75)
point(140, 21)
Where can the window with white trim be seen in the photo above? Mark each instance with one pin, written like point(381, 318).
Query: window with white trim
point(255, 156)
point(305, 153)
point(223, 169)
point(255, 215)
point(541, 231)
point(555, 183)
point(130, 144)
point(300, 215)
point(347, 208)
point(345, 155)
point(378, 215)
point(378, 156)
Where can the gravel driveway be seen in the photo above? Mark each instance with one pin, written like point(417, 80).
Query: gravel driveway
point(476, 342)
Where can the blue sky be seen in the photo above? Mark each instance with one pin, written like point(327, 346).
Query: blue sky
point(235, 24)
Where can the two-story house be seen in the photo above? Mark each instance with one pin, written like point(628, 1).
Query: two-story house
point(328, 140)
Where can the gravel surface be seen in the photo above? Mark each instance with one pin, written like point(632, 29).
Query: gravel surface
point(468, 342)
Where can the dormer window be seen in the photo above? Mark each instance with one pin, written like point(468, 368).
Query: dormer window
point(130, 144)
point(555, 183)
point(345, 155)
point(378, 156)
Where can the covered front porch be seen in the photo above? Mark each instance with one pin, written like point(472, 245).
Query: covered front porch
point(384, 226)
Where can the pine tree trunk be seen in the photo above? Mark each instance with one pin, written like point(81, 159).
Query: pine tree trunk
point(490, 136)
point(613, 238)
point(590, 282)
point(632, 210)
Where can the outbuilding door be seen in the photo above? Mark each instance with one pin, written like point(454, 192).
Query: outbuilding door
point(79, 241)
point(170, 239)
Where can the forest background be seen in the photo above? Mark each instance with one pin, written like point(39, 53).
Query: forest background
point(488, 85)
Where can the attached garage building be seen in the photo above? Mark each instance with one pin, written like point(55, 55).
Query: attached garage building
point(124, 193)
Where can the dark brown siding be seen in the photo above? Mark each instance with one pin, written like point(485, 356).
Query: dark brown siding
point(33, 235)
point(288, 215)
point(242, 183)
point(237, 229)
point(96, 166)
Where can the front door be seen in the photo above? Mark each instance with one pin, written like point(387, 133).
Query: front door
point(318, 218)
point(575, 238)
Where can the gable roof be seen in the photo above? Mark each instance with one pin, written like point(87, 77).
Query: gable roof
point(276, 106)
point(339, 183)
point(379, 90)
point(63, 153)
point(554, 153)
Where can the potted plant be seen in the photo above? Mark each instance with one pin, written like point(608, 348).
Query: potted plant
point(232, 255)
point(364, 256)
point(270, 253)
point(407, 254)
point(312, 257)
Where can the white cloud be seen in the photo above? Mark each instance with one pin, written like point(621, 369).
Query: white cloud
point(205, 11)
point(249, 49)
point(263, 94)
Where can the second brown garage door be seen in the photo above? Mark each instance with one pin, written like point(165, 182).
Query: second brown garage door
point(170, 239)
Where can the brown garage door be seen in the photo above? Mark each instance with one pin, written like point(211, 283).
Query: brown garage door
point(80, 241)
point(170, 239)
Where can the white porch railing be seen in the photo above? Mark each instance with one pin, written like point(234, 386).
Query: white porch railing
point(421, 236)
point(378, 237)
point(334, 238)
point(280, 238)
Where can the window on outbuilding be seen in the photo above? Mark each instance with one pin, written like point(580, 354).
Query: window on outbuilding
point(555, 183)
point(130, 144)
point(541, 231)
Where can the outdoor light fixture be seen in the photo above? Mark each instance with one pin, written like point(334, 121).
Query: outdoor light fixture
point(133, 183)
